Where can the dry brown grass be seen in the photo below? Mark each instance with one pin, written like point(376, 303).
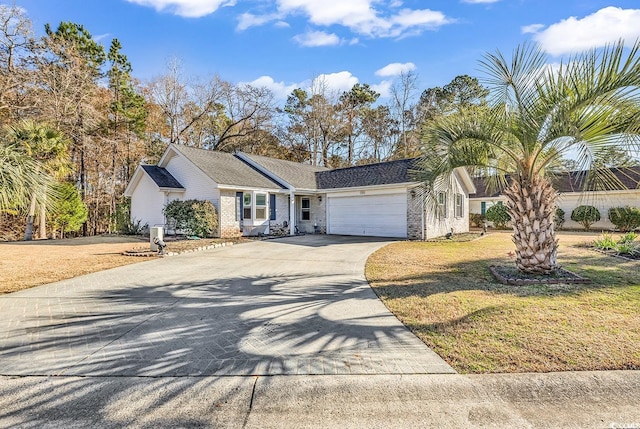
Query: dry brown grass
point(25, 264)
point(445, 293)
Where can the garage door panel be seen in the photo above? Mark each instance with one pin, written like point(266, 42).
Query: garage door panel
point(370, 215)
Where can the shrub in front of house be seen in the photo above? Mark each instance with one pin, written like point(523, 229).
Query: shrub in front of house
point(558, 219)
point(476, 219)
point(194, 217)
point(585, 216)
point(625, 218)
point(498, 215)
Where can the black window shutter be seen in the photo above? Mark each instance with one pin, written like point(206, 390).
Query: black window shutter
point(272, 206)
point(239, 204)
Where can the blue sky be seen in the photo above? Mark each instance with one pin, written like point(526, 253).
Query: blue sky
point(284, 44)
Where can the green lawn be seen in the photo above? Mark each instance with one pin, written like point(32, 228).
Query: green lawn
point(444, 292)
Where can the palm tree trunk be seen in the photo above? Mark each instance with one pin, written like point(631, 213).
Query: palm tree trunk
point(28, 231)
point(43, 221)
point(531, 205)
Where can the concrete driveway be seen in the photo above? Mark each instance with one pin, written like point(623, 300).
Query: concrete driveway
point(298, 305)
point(273, 334)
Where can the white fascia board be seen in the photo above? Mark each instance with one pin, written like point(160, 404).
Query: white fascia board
point(163, 159)
point(466, 179)
point(252, 188)
point(404, 185)
point(137, 175)
point(246, 159)
point(179, 190)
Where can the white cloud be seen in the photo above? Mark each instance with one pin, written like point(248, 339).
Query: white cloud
point(604, 26)
point(280, 90)
point(334, 82)
point(330, 84)
point(247, 20)
point(395, 69)
point(317, 38)
point(101, 37)
point(531, 28)
point(359, 16)
point(186, 8)
point(383, 88)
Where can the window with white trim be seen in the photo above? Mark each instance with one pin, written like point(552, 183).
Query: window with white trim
point(306, 209)
point(459, 212)
point(441, 208)
point(247, 206)
point(261, 206)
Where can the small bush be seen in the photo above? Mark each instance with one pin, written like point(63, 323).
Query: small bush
point(605, 243)
point(558, 219)
point(625, 218)
point(629, 237)
point(195, 217)
point(626, 245)
point(498, 215)
point(585, 216)
point(476, 219)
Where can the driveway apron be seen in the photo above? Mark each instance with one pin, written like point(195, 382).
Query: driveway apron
point(297, 305)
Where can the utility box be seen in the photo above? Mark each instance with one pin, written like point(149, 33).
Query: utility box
point(155, 232)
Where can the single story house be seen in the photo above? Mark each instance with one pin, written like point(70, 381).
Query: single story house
point(572, 194)
point(260, 195)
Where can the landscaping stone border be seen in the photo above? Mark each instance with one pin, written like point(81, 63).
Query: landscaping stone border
point(150, 253)
point(568, 278)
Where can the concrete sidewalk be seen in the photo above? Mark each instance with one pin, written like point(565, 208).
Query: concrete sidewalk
point(279, 333)
point(559, 400)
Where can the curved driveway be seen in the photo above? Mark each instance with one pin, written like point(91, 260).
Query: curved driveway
point(298, 305)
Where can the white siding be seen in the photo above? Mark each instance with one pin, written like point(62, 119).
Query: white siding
point(197, 185)
point(437, 226)
point(603, 201)
point(147, 202)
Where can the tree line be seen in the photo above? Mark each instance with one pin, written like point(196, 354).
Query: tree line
point(76, 123)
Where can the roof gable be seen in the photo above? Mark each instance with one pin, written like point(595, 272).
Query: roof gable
point(225, 169)
point(300, 176)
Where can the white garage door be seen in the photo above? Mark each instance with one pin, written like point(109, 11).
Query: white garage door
point(372, 215)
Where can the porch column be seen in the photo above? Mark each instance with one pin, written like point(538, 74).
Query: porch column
point(292, 214)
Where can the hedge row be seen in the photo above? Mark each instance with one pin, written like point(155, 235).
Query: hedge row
point(625, 219)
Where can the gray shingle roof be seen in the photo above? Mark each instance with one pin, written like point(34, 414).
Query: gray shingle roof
point(300, 176)
point(574, 181)
point(384, 173)
point(162, 177)
point(226, 169)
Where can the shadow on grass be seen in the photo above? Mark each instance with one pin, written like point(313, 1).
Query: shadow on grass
point(604, 270)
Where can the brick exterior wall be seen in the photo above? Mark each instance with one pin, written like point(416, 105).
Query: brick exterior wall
point(318, 215)
point(414, 214)
point(228, 225)
point(435, 226)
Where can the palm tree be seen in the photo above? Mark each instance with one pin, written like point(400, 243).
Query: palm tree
point(538, 115)
point(19, 175)
point(48, 149)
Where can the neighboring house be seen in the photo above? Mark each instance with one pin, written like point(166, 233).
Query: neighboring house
point(259, 195)
point(570, 187)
